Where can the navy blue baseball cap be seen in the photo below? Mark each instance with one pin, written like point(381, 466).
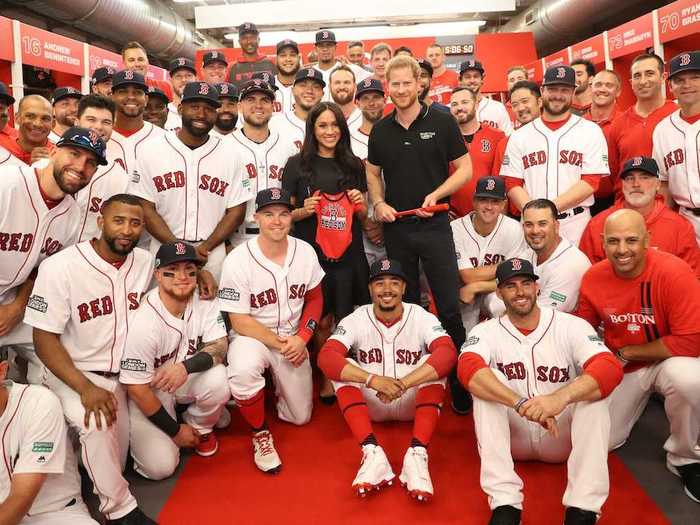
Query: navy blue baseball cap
point(127, 77)
point(247, 27)
point(287, 43)
point(645, 164)
point(5, 95)
point(560, 75)
point(227, 90)
point(468, 65)
point(256, 85)
point(266, 76)
point(158, 93)
point(175, 252)
point(199, 90)
point(86, 139)
point(384, 267)
point(311, 74)
point(65, 92)
point(513, 268)
point(214, 56)
point(181, 63)
point(271, 196)
point(491, 187)
point(325, 36)
point(102, 74)
point(689, 61)
point(369, 85)
point(424, 64)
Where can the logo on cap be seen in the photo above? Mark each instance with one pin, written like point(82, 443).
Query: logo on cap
point(275, 194)
point(128, 75)
point(324, 34)
point(637, 161)
point(490, 185)
point(223, 89)
point(203, 88)
point(215, 54)
point(110, 70)
point(561, 72)
point(180, 61)
point(685, 59)
point(71, 90)
point(265, 76)
point(516, 265)
point(367, 82)
point(386, 265)
point(179, 248)
point(310, 73)
point(93, 136)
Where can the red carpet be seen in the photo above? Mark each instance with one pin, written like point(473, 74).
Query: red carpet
point(320, 461)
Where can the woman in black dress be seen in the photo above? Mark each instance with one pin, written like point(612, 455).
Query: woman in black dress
point(328, 185)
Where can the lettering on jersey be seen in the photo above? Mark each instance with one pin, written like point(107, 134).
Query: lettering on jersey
point(673, 158)
point(38, 303)
point(51, 246)
point(95, 205)
point(42, 446)
point(535, 158)
point(229, 294)
point(133, 299)
point(297, 291)
point(574, 158)
point(213, 184)
point(298, 144)
point(161, 360)
point(275, 172)
point(16, 242)
point(276, 106)
point(490, 123)
point(634, 321)
point(512, 370)
point(489, 259)
point(95, 308)
point(407, 357)
point(135, 365)
point(252, 170)
point(168, 181)
point(373, 355)
point(123, 165)
point(265, 298)
point(333, 216)
point(553, 374)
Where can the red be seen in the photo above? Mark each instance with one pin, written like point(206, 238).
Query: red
point(441, 86)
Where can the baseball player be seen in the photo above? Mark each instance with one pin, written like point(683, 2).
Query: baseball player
point(30, 144)
point(675, 139)
point(606, 87)
point(342, 89)
point(558, 156)
point(630, 134)
point(482, 141)
point(80, 327)
point(400, 358)
point(182, 72)
point(308, 91)
point(214, 65)
point(326, 47)
point(191, 186)
point(96, 113)
point(156, 111)
point(488, 110)
point(583, 95)
point(270, 289)
point(65, 111)
point(647, 302)
point(288, 64)
point(554, 372)
point(379, 57)
point(424, 81)
point(101, 81)
point(8, 159)
point(277, 121)
point(130, 132)
point(174, 353)
point(261, 154)
point(484, 238)
point(370, 98)
point(444, 79)
point(135, 58)
point(41, 484)
point(668, 231)
point(6, 101)
point(251, 61)
point(227, 113)
point(37, 219)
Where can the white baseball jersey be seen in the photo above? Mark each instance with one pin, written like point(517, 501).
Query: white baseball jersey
point(54, 137)
point(174, 121)
point(354, 120)
point(29, 231)
point(218, 134)
point(89, 302)
point(156, 337)
point(495, 114)
point(34, 440)
point(547, 359)
point(273, 295)
point(676, 147)
point(550, 162)
point(560, 275)
point(191, 189)
point(262, 164)
point(8, 159)
point(392, 351)
point(125, 150)
point(293, 127)
point(473, 250)
point(285, 96)
point(360, 75)
point(107, 181)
